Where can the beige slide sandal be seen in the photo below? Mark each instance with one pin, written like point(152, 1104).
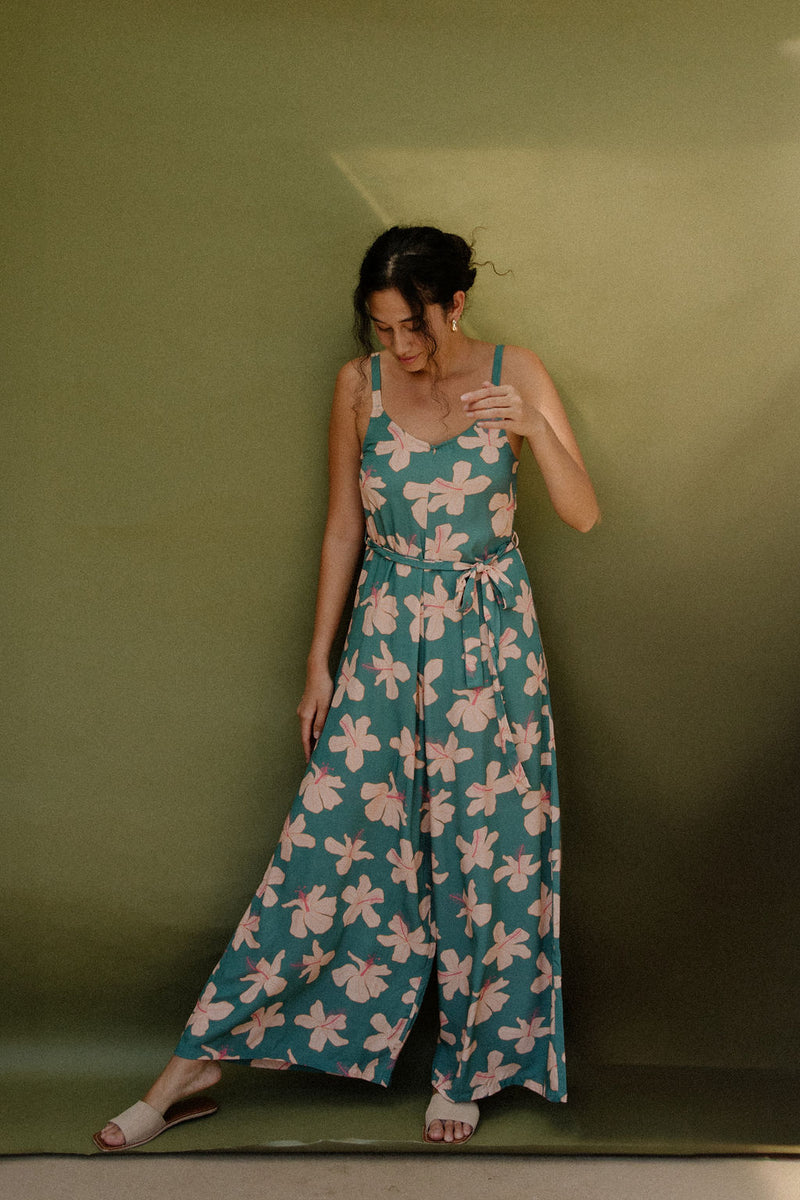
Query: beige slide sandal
point(141, 1122)
point(442, 1109)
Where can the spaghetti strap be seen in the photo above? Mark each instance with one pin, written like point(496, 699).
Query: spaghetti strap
point(497, 364)
point(377, 403)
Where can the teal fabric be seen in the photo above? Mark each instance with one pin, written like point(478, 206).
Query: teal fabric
point(425, 830)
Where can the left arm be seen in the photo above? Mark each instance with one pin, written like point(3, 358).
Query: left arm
point(529, 406)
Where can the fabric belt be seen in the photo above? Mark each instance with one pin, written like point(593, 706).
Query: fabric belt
point(483, 587)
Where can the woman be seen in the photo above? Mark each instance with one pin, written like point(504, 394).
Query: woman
point(425, 828)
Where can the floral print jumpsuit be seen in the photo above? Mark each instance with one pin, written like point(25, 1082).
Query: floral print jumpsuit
point(425, 831)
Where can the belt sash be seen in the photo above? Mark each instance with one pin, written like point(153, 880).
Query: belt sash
point(483, 586)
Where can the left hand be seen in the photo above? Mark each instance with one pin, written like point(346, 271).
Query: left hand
point(500, 406)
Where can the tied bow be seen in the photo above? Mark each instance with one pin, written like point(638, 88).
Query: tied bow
point(482, 585)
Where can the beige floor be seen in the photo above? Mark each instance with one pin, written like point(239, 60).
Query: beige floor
point(365, 1177)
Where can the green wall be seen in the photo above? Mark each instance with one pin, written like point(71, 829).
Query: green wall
point(192, 185)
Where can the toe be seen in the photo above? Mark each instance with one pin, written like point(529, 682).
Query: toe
point(112, 1135)
point(436, 1131)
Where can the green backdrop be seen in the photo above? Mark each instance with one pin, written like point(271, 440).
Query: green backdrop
point(191, 188)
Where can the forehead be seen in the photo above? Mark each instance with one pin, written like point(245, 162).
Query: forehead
point(388, 307)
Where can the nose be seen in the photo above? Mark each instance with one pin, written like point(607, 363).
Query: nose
point(403, 343)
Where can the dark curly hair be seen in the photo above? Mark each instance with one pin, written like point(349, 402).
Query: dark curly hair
point(425, 265)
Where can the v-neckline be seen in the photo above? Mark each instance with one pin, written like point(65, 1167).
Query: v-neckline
point(429, 446)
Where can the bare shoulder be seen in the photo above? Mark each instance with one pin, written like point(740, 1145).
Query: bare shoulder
point(522, 367)
point(351, 397)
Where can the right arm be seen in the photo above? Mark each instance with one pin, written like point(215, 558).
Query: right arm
point(342, 545)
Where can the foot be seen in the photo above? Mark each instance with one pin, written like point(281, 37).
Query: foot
point(441, 1126)
point(448, 1131)
point(182, 1077)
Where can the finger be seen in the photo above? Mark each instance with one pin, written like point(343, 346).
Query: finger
point(486, 389)
point(305, 735)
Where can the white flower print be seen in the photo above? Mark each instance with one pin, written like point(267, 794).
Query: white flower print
point(313, 911)
point(476, 709)
point(436, 875)
point(525, 1033)
point(315, 961)
point(437, 606)
point(444, 1034)
point(207, 1010)
point(426, 695)
point(543, 909)
point(348, 685)
point(386, 1036)
point(386, 803)
point(436, 813)
point(546, 979)
point(355, 1072)
point(264, 976)
point(502, 505)
point(275, 876)
point(361, 979)
point(450, 494)
point(524, 737)
point(487, 1082)
point(443, 544)
point(407, 746)
point(371, 487)
point(506, 947)
point(407, 546)
point(388, 670)
point(453, 974)
point(483, 796)
point(293, 834)
point(523, 603)
point(246, 930)
point(405, 865)
point(418, 492)
point(410, 996)
point(415, 606)
point(221, 1055)
point(259, 1022)
point(320, 788)
point(537, 680)
point(517, 869)
point(441, 1083)
point(480, 914)
point(361, 901)
point(405, 941)
point(467, 1050)
point(552, 1067)
point(489, 1000)
point(539, 804)
point(324, 1027)
point(349, 851)
point(380, 611)
point(554, 857)
point(507, 648)
point(490, 440)
point(354, 740)
point(477, 852)
point(443, 756)
point(401, 447)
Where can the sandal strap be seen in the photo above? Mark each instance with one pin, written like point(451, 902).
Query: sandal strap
point(139, 1121)
point(442, 1109)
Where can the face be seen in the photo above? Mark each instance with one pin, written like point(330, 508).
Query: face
point(397, 329)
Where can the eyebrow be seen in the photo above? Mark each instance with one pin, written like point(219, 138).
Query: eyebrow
point(378, 320)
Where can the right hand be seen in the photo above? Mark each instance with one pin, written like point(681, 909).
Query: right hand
point(313, 708)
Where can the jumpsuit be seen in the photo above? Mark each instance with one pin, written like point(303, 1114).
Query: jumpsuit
point(425, 831)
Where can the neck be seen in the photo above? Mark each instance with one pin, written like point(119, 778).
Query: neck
point(452, 354)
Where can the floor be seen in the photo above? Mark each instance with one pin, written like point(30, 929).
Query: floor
point(407, 1177)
